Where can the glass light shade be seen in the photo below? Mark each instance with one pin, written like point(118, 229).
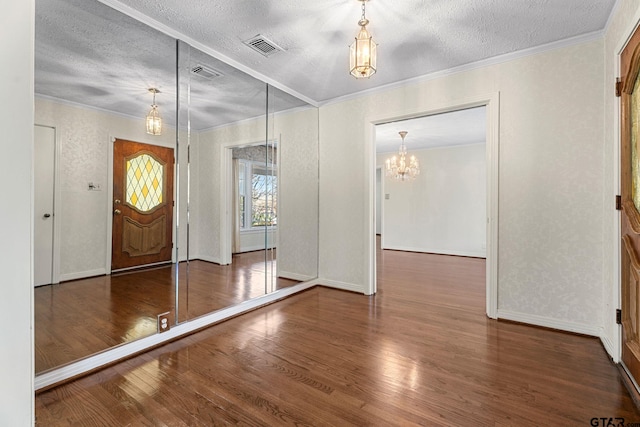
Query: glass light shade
point(154, 122)
point(398, 168)
point(362, 58)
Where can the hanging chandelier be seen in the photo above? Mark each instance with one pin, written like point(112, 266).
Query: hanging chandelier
point(362, 59)
point(398, 168)
point(154, 122)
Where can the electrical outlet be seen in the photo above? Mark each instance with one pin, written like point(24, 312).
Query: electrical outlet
point(163, 322)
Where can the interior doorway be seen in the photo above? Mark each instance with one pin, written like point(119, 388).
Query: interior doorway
point(490, 130)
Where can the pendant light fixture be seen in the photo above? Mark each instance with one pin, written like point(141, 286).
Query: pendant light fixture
point(398, 168)
point(154, 122)
point(362, 59)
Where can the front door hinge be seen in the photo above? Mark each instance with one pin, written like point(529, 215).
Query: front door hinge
point(618, 203)
point(619, 316)
point(618, 87)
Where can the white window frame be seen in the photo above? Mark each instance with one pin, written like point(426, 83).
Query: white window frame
point(246, 192)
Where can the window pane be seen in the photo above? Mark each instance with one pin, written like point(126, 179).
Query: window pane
point(263, 200)
point(144, 182)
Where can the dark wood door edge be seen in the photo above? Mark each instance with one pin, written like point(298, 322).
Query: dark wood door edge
point(629, 384)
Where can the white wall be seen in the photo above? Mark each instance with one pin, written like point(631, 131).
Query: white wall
point(16, 304)
point(209, 178)
point(444, 209)
point(85, 136)
point(550, 247)
point(621, 25)
point(253, 240)
point(297, 240)
point(297, 252)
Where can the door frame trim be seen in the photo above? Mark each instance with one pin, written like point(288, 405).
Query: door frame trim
point(491, 101)
point(57, 195)
point(382, 175)
point(226, 194)
point(615, 348)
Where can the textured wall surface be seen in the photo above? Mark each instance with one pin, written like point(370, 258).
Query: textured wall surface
point(298, 194)
point(84, 138)
point(551, 177)
point(297, 135)
point(444, 209)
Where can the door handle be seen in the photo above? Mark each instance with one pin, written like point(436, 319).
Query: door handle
point(47, 215)
point(117, 211)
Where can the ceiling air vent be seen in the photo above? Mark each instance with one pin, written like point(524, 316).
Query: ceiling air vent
point(206, 72)
point(262, 45)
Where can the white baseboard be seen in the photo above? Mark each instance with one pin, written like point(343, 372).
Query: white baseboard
point(548, 322)
point(295, 276)
point(83, 274)
point(340, 285)
point(475, 254)
point(608, 346)
point(207, 259)
point(252, 248)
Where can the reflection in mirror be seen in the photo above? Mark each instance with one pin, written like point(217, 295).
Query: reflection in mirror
point(213, 94)
point(112, 183)
point(96, 74)
point(295, 128)
point(234, 124)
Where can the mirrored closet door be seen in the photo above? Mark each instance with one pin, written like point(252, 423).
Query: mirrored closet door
point(234, 124)
point(180, 185)
point(112, 221)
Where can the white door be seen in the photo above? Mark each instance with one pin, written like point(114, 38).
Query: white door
point(44, 173)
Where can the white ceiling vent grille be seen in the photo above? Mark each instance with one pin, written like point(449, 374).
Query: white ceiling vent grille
point(262, 45)
point(206, 72)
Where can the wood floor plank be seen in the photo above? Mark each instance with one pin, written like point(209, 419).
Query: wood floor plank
point(76, 319)
point(419, 352)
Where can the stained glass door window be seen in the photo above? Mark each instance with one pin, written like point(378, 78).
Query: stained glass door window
point(144, 182)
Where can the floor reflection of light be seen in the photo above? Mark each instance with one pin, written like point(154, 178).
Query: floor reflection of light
point(142, 327)
point(265, 326)
point(143, 381)
point(397, 367)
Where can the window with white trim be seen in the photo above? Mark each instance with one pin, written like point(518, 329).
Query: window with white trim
point(258, 188)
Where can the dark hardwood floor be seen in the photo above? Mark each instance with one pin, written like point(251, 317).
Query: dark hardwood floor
point(82, 317)
point(420, 352)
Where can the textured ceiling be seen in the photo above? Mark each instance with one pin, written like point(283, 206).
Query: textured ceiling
point(461, 127)
point(90, 54)
point(415, 37)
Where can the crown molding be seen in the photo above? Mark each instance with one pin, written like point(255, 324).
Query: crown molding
point(512, 56)
point(614, 10)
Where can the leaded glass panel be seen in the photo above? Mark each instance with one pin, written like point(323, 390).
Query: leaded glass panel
point(144, 182)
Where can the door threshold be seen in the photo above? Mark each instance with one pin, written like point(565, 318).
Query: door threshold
point(140, 267)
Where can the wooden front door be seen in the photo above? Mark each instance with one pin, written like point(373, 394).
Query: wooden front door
point(142, 204)
point(629, 90)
